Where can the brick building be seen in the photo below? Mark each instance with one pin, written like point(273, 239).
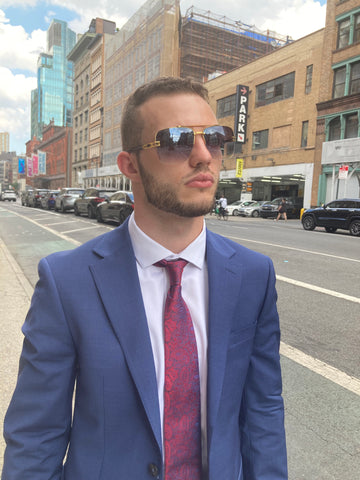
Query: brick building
point(338, 109)
point(277, 150)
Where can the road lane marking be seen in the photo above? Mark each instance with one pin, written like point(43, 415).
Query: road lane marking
point(60, 223)
point(325, 370)
point(64, 237)
point(293, 248)
point(326, 291)
point(84, 228)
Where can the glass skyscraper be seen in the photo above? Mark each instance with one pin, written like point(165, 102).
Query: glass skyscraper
point(53, 97)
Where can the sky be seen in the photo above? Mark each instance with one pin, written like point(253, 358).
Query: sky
point(23, 26)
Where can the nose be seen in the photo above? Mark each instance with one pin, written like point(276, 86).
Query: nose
point(200, 153)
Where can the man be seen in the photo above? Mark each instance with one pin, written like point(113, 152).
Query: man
point(100, 314)
point(223, 205)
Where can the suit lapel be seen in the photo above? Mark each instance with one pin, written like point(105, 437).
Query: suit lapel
point(117, 281)
point(224, 286)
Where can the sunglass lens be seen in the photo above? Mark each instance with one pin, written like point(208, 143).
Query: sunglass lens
point(175, 143)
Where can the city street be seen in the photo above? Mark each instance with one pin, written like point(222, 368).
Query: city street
point(319, 307)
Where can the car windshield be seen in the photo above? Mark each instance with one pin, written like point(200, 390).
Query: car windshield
point(74, 192)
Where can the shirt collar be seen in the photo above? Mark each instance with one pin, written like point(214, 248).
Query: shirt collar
point(148, 252)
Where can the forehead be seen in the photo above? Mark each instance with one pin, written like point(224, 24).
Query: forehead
point(179, 109)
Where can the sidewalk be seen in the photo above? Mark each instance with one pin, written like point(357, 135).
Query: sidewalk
point(15, 295)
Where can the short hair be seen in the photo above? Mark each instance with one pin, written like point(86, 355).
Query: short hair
point(132, 124)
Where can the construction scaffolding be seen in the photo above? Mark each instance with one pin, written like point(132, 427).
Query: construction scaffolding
point(211, 44)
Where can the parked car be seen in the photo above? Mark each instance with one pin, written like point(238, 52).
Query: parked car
point(47, 201)
point(66, 198)
point(34, 197)
point(339, 214)
point(293, 207)
point(233, 208)
point(25, 196)
point(252, 210)
point(88, 201)
point(116, 208)
point(8, 195)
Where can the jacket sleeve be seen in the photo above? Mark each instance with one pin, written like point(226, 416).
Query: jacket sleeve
point(262, 413)
point(38, 421)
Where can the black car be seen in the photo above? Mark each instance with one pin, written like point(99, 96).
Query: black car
point(116, 208)
point(89, 200)
point(293, 207)
point(339, 214)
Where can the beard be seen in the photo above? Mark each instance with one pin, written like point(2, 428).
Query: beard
point(164, 197)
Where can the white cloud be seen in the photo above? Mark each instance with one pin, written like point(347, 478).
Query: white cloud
point(15, 95)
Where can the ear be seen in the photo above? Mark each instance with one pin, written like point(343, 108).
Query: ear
point(128, 166)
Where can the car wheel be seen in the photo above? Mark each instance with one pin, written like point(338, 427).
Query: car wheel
point(62, 208)
point(255, 213)
point(90, 212)
point(354, 228)
point(235, 212)
point(308, 223)
point(76, 210)
point(330, 229)
point(99, 217)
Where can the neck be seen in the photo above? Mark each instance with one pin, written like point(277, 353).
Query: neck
point(171, 231)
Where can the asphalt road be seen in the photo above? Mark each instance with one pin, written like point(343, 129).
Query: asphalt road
point(319, 307)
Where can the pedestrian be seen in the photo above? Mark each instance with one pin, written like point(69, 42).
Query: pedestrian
point(222, 205)
point(182, 384)
point(282, 210)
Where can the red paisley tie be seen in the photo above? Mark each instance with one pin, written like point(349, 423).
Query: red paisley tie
point(182, 426)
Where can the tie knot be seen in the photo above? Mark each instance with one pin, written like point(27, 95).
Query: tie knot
point(174, 268)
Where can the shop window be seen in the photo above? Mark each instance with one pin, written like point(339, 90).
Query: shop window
point(304, 133)
point(339, 82)
point(344, 33)
point(351, 126)
point(275, 90)
point(308, 82)
point(260, 139)
point(226, 107)
point(335, 129)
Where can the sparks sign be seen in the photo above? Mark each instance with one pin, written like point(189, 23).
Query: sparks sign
point(242, 100)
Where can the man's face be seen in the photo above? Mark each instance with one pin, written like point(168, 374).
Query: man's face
point(185, 188)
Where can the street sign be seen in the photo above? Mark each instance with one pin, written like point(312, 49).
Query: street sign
point(239, 167)
point(242, 97)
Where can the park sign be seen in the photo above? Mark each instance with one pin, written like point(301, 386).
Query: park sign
point(242, 102)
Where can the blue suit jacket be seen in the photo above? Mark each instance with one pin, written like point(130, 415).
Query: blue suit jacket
point(87, 326)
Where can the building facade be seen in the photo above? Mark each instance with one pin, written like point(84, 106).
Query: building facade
point(271, 104)
point(87, 57)
point(53, 97)
point(4, 142)
point(337, 164)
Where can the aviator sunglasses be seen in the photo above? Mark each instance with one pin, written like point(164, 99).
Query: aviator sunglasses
point(175, 143)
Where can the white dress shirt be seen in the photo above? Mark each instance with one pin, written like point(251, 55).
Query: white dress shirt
point(154, 284)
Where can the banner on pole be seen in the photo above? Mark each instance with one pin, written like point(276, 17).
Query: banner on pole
point(42, 163)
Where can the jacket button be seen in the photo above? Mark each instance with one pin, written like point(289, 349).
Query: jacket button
point(153, 469)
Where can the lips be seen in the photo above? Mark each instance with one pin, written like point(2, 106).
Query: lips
point(202, 180)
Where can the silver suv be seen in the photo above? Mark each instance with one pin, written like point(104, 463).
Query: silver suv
point(66, 198)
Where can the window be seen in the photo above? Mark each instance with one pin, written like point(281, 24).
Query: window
point(344, 33)
point(354, 78)
point(80, 153)
point(351, 126)
point(76, 122)
point(335, 129)
point(275, 90)
point(81, 118)
point(85, 134)
point(308, 81)
point(85, 152)
point(357, 29)
point(86, 116)
point(260, 139)
point(76, 138)
point(339, 82)
point(81, 135)
point(75, 155)
point(226, 106)
point(304, 133)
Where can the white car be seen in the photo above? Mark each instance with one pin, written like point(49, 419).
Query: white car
point(252, 210)
point(234, 208)
point(8, 195)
